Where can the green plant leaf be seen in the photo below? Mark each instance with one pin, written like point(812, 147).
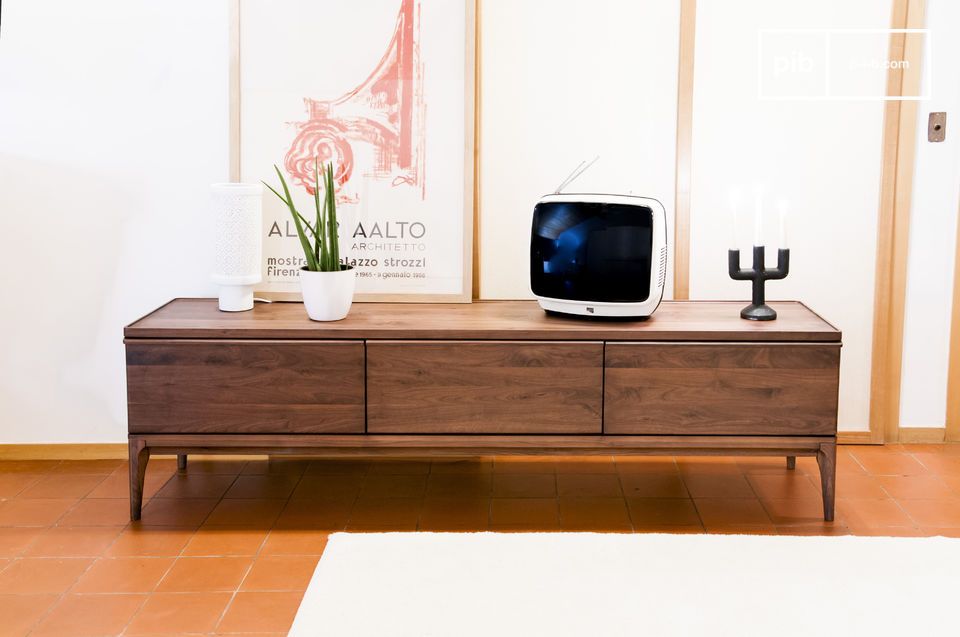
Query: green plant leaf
point(316, 204)
point(301, 233)
point(332, 221)
point(325, 252)
point(306, 224)
point(324, 256)
point(303, 219)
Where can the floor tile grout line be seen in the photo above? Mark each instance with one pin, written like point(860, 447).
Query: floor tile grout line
point(259, 549)
point(179, 555)
point(84, 496)
point(696, 508)
point(356, 497)
point(21, 551)
point(59, 599)
point(134, 614)
point(623, 494)
point(129, 524)
point(423, 494)
point(285, 506)
point(556, 495)
point(900, 506)
point(233, 594)
point(757, 497)
point(25, 487)
point(62, 595)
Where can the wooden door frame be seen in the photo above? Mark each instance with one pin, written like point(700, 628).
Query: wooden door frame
point(953, 375)
point(477, 102)
point(893, 224)
point(684, 159)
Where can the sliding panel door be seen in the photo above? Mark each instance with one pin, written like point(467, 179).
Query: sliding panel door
point(563, 81)
point(933, 229)
point(800, 114)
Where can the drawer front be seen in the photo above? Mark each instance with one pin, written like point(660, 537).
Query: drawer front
point(245, 387)
point(494, 387)
point(746, 389)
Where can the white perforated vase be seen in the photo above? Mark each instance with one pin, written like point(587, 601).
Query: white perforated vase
point(238, 213)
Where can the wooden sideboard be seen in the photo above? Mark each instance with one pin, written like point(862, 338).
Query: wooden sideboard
point(498, 377)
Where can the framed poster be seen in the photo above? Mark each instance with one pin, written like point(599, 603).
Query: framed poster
point(383, 90)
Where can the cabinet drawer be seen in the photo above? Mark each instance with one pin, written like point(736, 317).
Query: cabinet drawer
point(245, 386)
point(490, 387)
point(743, 389)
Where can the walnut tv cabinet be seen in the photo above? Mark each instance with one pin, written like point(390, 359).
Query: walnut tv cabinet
point(499, 377)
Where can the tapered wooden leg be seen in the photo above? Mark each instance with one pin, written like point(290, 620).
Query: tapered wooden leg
point(139, 456)
point(181, 462)
point(791, 462)
point(827, 460)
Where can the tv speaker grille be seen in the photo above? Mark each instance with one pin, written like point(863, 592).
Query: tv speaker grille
point(662, 277)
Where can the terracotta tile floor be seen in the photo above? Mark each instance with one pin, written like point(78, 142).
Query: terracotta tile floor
point(230, 546)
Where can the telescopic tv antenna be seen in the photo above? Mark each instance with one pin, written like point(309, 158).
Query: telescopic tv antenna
point(579, 170)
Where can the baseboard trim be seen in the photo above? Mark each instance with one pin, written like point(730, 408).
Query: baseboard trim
point(70, 451)
point(96, 451)
point(922, 434)
point(856, 438)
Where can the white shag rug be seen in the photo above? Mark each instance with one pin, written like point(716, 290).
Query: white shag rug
point(589, 584)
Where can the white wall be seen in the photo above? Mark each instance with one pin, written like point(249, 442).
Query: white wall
point(563, 81)
point(822, 156)
point(933, 223)
point(112, 126)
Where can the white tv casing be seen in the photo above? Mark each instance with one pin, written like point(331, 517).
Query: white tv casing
point(658, 265)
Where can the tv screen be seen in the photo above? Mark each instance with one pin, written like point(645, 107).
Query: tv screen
point(598, 252)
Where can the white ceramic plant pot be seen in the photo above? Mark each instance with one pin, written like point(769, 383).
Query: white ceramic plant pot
point(328, 295)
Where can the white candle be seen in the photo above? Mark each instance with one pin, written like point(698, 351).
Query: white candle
point(758, 218)
point(733, 201)
point(783, 224)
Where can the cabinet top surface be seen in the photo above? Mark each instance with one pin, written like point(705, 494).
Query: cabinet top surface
point(485, 320)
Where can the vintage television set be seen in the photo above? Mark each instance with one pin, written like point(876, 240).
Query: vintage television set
point(598, 255)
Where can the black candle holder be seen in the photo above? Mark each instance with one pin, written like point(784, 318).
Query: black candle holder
point(758, 310)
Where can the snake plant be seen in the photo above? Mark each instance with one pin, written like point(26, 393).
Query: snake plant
point(321, 246)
